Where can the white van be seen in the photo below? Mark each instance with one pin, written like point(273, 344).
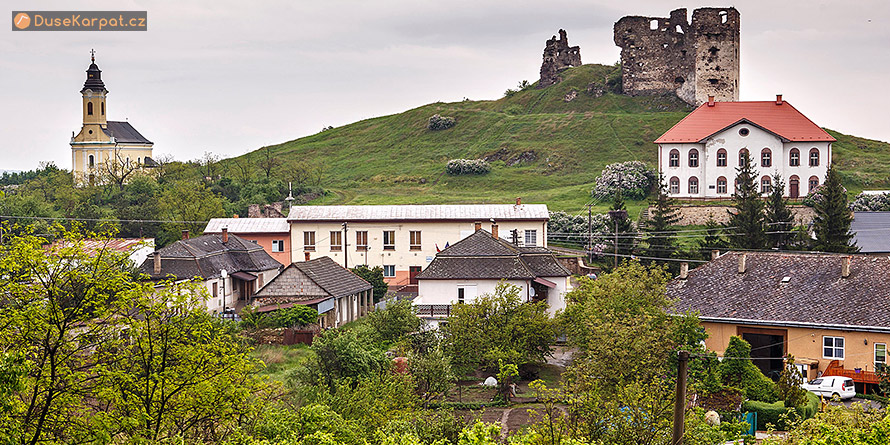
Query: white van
point(841, 387)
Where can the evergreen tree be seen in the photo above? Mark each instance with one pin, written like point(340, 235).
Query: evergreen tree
point(833, 217)
point(620, 224)
point(711, 241)
point(779, 220)
point(661, 241)
point(747, 221)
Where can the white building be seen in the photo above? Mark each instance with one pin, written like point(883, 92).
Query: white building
point(403, 239)
point(699, 155)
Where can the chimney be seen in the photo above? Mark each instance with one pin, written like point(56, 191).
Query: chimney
point(157, 260)
point(307, 255)
point(518, 201)
point(715, 254)
point(185, 234)
point(494, 231)
point(778, 99)
point(477, 226)
point(710, 101)
point(684, 270)
point(845, 266)
point(742, 260)
point(225, 234)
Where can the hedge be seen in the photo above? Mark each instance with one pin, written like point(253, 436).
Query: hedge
point(772, 412)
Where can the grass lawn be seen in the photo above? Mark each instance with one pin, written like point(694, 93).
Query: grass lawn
point(279, 359)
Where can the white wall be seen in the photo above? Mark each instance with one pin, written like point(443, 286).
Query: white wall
point(445, 291)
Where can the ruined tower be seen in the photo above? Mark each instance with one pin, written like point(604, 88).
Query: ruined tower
point(558, 55)
point(669, 55)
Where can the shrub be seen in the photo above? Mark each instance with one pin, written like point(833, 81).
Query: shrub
point(634, 178)
point(438, 122)
point(871, 203)
point(780, 416)
point(573, 228)
point(738, 371)
point(393, 322)
point(468, 167)
point(297, 315)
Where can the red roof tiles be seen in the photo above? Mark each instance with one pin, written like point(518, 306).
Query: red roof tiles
point(779, 118)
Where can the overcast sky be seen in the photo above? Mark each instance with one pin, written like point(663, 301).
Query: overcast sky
point(231, 76)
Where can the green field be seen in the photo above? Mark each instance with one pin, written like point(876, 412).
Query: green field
point(396, 160)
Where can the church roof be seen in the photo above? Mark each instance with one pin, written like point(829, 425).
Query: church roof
point(94, 79)
point(777, 117)
point(124, 132)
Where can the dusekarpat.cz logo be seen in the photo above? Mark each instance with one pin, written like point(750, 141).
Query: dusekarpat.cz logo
point(79, 20)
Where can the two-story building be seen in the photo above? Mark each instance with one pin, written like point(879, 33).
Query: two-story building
point(272, 234)
point(699, 155)
point(403, 239)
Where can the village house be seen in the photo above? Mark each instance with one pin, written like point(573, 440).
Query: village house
point(272, 234)
point(338, 295)
point(829, 311)
point(475, 265)
point(231, 268)
point(136, 249)
point(698, 156)
point(403, 239)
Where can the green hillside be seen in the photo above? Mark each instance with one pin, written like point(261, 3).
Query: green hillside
point(546, 149)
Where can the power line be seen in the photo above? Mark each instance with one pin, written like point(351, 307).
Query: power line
point(60, 218)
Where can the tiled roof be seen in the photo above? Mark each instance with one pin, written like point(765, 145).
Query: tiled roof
point(122, 245)
point(782, 120)
point(207, 255)
point(480, 212)
point(329, 278)
point(480, 256)
point(124, 132)
point(815, 294)
point(248, 225)
point(871, 231)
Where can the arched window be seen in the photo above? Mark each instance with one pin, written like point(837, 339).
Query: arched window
point(766, 185)
point(766, 158)
point(693, 158)
point(814, 157)
point(721, 185)
point(675, 185)
point(102, 107)
point(721, 157)
point(92, 161)
point(743, 155)
point(793, 187)
point(693, 185)
point(674, 158)
point(794, 158)
point(89, 108)
point(814, 182)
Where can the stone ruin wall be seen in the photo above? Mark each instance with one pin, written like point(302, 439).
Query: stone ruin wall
point(558, 55)
point(661, 55)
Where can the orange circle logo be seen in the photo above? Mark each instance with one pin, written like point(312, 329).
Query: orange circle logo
point(22, 20)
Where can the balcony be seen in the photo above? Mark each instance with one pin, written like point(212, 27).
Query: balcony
point(433, 310)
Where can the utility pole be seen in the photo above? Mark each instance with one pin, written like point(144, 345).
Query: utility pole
point(616, 244)
point(345, 252)
point(589, 234)
point(680, 398)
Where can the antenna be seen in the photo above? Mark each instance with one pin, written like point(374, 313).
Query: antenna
point(290, 194)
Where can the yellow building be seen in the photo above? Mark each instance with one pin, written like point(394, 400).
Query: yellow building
point(105, 151)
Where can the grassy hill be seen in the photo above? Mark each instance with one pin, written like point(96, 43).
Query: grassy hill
point(545, 148)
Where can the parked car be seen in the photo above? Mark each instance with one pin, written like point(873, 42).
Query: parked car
point(841, 387)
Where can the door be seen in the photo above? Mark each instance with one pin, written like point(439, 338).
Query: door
point(767, 349)
point(794, 188)
point(413, 271)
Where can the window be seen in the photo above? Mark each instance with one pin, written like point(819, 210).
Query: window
point(693, 185)
point(814, 182)
point(89, 108)
point(336, 241)
point(389, 270)
point(389, 240)
point(743, 156)
point(721, 157)
point(766, 158)
point(744, 132)
point(693, 158)
point(833, 347)
point(361, 240)
point(278, 245)
point(531, 237)
point(309, 241)
point(766, 185)
point(92, 161)
point(414, 239)
point(674, 158)
point(721, 185)
point(215, 292)
point(675, 185)
point(461, 295)
point(814, 157)
point(794, 158)
point(880, 355)
point(102, 106)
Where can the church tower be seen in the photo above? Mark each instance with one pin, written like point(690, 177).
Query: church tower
point(105, 150)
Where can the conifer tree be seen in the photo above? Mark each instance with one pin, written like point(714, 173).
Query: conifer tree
point(745, 226)
point(660, 240)
point(621, 224)
point(833, 217)
point(779, 220)
point(711, 241)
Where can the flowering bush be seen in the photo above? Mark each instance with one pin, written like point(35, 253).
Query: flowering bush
point(633, 177)
point(440, 122)
point(815, 196)
point(871, 202)
point(468, 167)
point(567, 228)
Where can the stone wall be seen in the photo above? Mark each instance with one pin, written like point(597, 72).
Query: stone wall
point(558, 55)
point(699, 214)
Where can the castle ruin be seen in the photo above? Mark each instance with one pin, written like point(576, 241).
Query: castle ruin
point(669, 55)
point(558, 55)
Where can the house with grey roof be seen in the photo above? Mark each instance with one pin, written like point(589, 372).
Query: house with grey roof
point(273, 234)
point(475, 265)
point(231, 268)
point(338, 295)
point(871, 232)
point(830, 311)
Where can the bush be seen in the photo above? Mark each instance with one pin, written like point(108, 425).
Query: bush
point(298, 315)
point(467, 167)
point(342, 354)
point(437, 122)
point(634, 178)
point(573, 228)
point(393, 322)
point(738, 371)
point(871, 203)
point(780, 416)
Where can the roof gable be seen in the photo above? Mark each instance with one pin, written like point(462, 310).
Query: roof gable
point(332, 277)
point(207, 255)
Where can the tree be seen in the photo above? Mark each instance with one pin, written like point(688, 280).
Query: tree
point(789, 382)
point(268, 161)
point(432, 373)
point(660, 240)
point(711, 241)
point(621, 225)
point(745, 225)
point(833, 217)
point(779, 220)
point(116, 170)
point(393, 322)
point(375, 277)
point(208, 165)
point(187, 206)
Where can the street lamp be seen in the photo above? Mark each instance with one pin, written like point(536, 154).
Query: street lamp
point(225, 274)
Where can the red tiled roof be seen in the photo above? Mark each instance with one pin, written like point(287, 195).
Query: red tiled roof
point(783, 120)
